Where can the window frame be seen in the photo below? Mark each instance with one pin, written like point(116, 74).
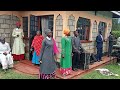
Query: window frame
point(84, 25)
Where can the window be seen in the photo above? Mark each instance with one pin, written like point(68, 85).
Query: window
point(102, 27)
point(94, 31)
point(83, 26)
point(25, 26)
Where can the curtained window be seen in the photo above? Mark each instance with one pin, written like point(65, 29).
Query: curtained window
point(83, 26)
point(25, 26)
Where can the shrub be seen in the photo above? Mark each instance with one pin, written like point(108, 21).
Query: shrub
point(116, 33)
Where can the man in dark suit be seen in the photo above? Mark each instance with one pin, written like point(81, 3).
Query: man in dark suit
point(111, 42)
point(99, 45)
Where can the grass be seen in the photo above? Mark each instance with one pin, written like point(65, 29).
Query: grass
point(11, 74)
point(96, 75)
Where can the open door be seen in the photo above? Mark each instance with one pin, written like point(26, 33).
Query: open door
point(33, 29)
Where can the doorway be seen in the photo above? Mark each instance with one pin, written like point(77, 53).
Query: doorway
point(39, 23)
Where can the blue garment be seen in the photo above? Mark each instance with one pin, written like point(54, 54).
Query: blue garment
point(99, 53)
point(99, 42)
point(35, 58)
point(99, 45)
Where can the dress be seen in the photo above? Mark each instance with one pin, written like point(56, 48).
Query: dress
point(37, 45)
point(48, 65)
point(18, 49)
point(66, 62)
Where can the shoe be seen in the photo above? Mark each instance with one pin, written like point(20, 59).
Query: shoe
point(75, 69)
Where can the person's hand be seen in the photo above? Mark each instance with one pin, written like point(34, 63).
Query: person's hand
point(55, 57)
point(31, 49)
point(63, 56)
point(72, 54)
point(5, 53)
point(40, 61)
point(17, 35)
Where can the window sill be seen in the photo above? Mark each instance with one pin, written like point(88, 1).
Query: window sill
point(85, 41)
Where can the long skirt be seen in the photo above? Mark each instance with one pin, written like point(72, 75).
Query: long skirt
point(66, 71)
point(35, 58)
point(6, 61)
point(18, 57)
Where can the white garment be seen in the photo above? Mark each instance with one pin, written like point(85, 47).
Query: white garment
point(48, 38)
point(18, 45)
point(101, 37)
point(5, 60)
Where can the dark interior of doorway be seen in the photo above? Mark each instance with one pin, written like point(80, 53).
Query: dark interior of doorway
point(39, 23)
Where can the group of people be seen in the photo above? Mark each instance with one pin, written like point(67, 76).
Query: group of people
point(45, 51)
point(70, 54)
point(71, 50)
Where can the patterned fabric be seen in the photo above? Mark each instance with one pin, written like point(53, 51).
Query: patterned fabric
point(37, 43)
point(47, 76)
point(65, 71)
point(18, 57)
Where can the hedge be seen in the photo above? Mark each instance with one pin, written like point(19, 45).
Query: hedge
point(116, 33)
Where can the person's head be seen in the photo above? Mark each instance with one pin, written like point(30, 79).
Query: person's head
point(2, 40)
point(67, 32)
point(18, 24)
point(76, 33)
point(38, 33)
point(48, 32)
point(110, 33)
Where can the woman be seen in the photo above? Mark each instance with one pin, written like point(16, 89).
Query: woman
point(47, 57)
point(66, 54)
point(36, 45)
point(18, 45)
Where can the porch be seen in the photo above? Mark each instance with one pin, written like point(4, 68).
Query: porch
point(27, 67)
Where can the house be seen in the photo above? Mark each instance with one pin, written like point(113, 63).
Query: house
point(89, 22)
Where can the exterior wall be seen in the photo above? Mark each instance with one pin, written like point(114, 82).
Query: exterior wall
point(101, 16)
point(8, 23)
point(62, 20)
point(59, 23)
point(68, 19)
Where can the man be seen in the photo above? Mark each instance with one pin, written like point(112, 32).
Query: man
point(99, 45)
point(5, 56)
point(76, 45)
point(111, 41)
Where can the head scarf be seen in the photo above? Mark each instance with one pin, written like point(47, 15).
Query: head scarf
point(47, 31)
point(18, 24)
point(66, 31)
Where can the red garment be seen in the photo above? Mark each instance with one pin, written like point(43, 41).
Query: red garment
point(18, 57)
point(37, 43)
point(65, 71)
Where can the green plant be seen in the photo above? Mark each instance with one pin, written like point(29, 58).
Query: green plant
point(116, 33)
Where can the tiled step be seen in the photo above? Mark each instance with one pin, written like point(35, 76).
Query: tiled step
point(77, 74)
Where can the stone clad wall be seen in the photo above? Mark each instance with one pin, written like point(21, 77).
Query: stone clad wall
point(7, 23)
